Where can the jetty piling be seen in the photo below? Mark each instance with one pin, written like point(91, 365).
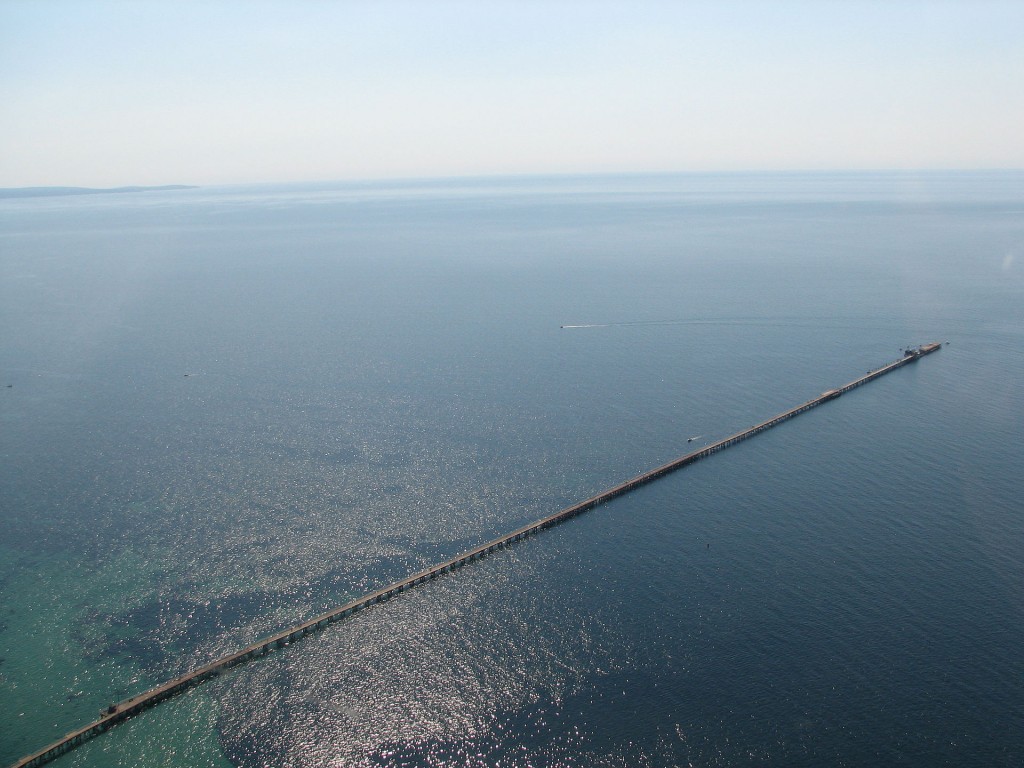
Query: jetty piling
point(132, 706)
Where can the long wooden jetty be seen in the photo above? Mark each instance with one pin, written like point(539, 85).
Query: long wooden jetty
point(130, 707)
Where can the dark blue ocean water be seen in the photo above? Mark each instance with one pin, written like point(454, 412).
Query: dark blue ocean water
point(233, 408)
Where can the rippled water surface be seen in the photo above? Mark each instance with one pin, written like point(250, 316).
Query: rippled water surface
point(225, 410)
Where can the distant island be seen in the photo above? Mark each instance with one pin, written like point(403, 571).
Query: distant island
point(61, 191)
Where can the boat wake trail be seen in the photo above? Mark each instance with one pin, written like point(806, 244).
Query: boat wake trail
point(739, 321)
point(732, 321)
point(638, 322)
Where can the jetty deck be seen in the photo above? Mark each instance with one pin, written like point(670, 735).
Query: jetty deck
point(123, 710)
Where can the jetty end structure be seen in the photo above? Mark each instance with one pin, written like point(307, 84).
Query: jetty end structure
point(117, 713)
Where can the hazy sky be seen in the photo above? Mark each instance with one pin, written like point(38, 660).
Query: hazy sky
point(144, 92)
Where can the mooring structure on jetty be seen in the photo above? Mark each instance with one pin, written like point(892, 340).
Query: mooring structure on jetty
point(120, 712)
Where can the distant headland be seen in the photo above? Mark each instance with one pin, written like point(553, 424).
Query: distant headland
point(61, 191)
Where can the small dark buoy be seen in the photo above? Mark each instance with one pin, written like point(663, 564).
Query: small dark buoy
point(709, 545)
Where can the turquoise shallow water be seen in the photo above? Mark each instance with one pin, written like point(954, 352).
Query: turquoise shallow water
point(378, 378)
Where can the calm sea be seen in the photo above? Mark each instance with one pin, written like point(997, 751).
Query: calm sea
point(224, 410)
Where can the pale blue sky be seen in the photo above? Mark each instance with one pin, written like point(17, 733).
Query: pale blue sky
point(148, 92)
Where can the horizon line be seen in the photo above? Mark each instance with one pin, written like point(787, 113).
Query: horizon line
point(399, 179)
